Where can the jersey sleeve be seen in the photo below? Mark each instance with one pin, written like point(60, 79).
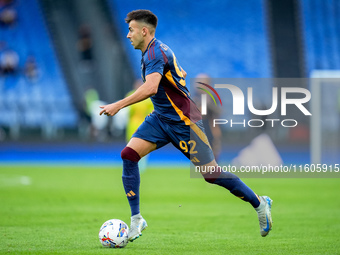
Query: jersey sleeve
point(154, 62)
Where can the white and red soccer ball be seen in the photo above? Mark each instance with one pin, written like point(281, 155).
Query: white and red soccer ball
point(114, 234)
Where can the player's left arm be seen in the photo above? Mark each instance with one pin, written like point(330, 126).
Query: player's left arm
point(148, 89)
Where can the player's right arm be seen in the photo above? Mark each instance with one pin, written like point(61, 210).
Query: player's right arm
point(148, 89)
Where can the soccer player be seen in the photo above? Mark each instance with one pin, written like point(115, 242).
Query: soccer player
point(175, 119)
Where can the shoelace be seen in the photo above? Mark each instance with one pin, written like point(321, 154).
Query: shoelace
point(135, 222)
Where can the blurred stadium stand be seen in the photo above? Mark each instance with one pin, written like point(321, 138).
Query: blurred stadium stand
point(45, 103)
point(109, 71)
point(321, 26)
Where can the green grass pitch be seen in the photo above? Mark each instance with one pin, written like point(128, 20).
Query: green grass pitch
point(59, 209)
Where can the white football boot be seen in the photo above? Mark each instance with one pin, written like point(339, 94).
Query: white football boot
point(264, 215)
point(138, 224)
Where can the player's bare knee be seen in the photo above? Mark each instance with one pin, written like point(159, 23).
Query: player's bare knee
point(130, 154)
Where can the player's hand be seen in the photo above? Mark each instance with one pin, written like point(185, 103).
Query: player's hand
point(109, 109)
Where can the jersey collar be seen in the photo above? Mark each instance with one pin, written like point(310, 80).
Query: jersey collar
point(149, 45)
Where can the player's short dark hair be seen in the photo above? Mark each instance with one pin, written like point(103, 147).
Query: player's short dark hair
point(142, 15)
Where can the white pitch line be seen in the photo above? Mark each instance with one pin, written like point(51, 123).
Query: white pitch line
point(14, 180)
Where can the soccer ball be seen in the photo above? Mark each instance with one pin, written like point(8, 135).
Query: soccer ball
point(114, 234)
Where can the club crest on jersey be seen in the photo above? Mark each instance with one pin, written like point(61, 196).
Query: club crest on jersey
point(164, 46)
